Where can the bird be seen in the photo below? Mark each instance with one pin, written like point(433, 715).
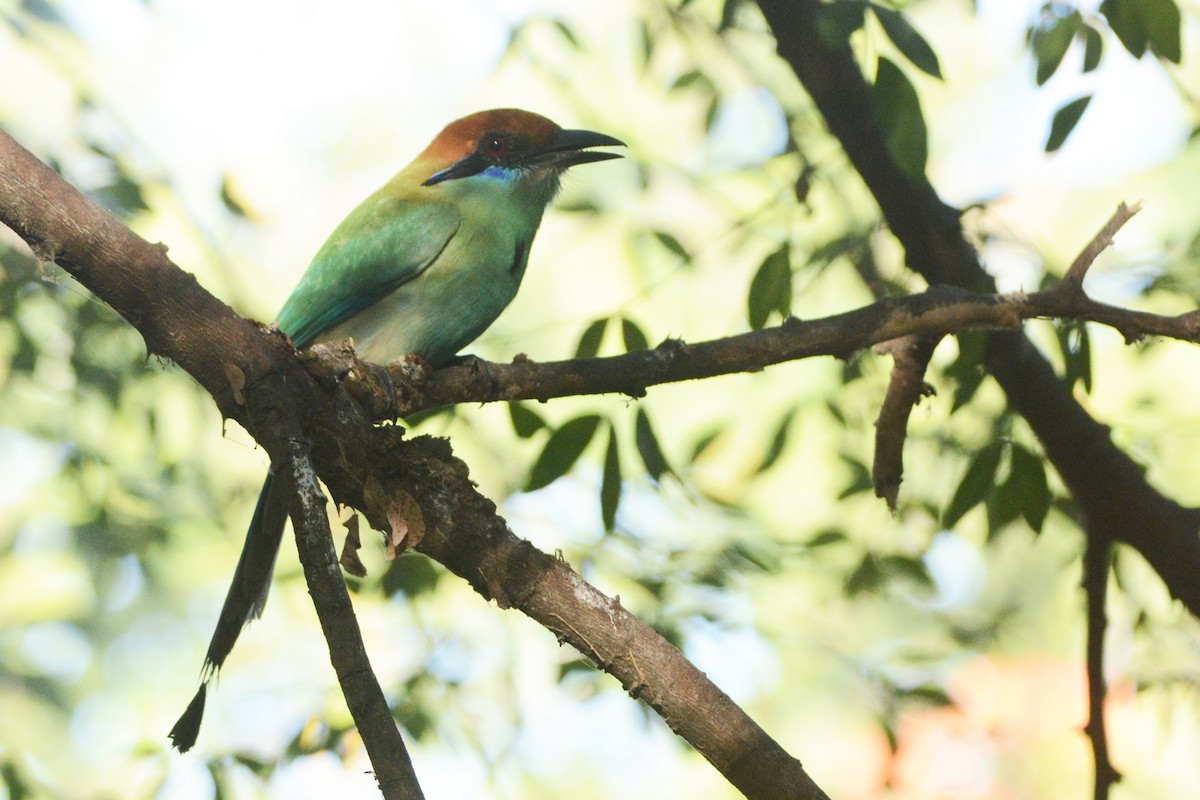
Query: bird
point(421, 267)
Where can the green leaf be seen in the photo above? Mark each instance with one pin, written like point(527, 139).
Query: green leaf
point(860, 477)
point(778, 442)
point(1125, 18)
point(901, 120)
point(1093, 48)
point(525, 421)
point(907, 40)
point(589, 342)
point(672, 244)
point(836, 21)
point(562, 450)
point(825, 538)
point(610, 483)
point(771, 288)
point(634, 338)
point(710, 114)
point(1025, 490)
point(1065, 120)
point(976, 484)
point(565, 31)
point(123, 197)
point(1076, 348)
point(229, 200)
point(1050, 41)
point(866, 577)
point(648, 447)
point(647, 43)
point(728, 15)
point(967, 369)
point(1161, 20)
point(411, 574)
point(691, 78)
point(907, 567)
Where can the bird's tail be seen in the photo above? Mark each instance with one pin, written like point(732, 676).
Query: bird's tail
point(245, 601)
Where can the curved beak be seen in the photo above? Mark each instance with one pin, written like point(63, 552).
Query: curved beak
point(570, 147)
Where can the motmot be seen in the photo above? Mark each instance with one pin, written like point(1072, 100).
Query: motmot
point(422, 267)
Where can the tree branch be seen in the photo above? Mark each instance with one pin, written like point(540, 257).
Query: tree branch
point(1100, 242)
point(936, 312)
point(1097, 562)
point(180, 320)
point(910, 357)
point(364, 697)
point(1110, 490)
point(256, 378)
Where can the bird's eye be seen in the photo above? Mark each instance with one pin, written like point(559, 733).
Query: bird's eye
point(494, 146)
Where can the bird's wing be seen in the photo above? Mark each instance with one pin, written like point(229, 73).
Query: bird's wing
point(383, 244)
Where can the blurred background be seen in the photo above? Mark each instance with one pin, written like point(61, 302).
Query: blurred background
point(935, 652)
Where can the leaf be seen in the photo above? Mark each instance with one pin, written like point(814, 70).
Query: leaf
point(566, 32)
point(912, 569)
point(610, 483)
point(702, 444)
point(634, 338)
point(562, 450)
point(728, 15)
point(771, 288)
point(1025, 490)
point(411, 575)
point(646, 40)
point(778, 442)
point(967, 369)
point(229, 198)
point(648, 447)
point(825, 538)
point(1065, 120)
point(860, 477)
point(1161, 20)
point(589, 342)
point(1124, 17)
point(836, 21)
point(1076, 348)
point(866, 577)
point(901, 120)
point(672, 244)
point(123, 197)
point(525, 421)
point(1093, 48)
point(1050, 41)
point(907, 40)
point(689, 78)
point(975, 485)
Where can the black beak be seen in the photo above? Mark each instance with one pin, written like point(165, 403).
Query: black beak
point(569, 148)
point(566, 149)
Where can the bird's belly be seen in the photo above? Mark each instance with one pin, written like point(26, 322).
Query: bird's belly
point(434, 316)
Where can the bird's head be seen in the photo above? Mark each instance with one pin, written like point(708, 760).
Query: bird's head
point(517, 147)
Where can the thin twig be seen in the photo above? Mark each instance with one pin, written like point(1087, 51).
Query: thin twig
point(1097, 561)
point(1100, 242)
point(910, 357)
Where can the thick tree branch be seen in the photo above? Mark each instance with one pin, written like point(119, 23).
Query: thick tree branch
point(1111, 492)
point(180, 320)
point(256, 378)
